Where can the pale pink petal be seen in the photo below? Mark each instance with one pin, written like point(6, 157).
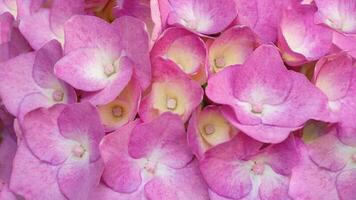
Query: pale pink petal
point(338, 14)
point(206, 17)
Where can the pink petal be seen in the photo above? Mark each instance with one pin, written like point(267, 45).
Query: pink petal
point(333, 75)
point(32, 178)
point(262, 16)
point(165, 135)
point(115, 86)
point(208, 128)
point(88, 31)
point(199, 15)
point(76, 179)
point(274, 187)
point(42, 136)
point(123, 109)
point(169, 82)
point(84, 69)
point(345, 184)
point(61, 11)
point(8, 148)
point(175, 43)
point(328, 152)
point(338, 14)
point(283, 157)
point(36, 29)
point(300, 39)
point(224, 170)
point(232, 47)
point(80, 122)
point(121, 173)
point(135, 42)
point(311, 182)
point(184, 183)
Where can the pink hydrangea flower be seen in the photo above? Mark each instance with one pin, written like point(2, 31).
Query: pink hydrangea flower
point(58, 156)
point(232, 47)
point(123, 109)
point(204, 17)
point(208, 128)
point(151, 160)
point(171, 91)
point(31, 76)
point(12, 43)
point(335, 76)
point(259, 104)
point(300, 39)
point(329, 167)
point(243, 169)
point(100, 58)
point(185, 49)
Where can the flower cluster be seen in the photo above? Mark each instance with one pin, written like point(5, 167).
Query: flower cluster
point(177, 99)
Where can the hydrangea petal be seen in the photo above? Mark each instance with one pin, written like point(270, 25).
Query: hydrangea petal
point(152, 138)
point(74, 123)
point(121, 172)
point(339, 14)
point(199, 15)
point(300, 39)
point(39, 144)
point(77, 178)
point(42, 183)
point(345, 184)
point(311, 182)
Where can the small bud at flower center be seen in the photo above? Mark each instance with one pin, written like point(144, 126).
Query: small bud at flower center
point(78, 151)
point(258, 168)
point(109, 70)
point(209, 129)
point(171, 103)
point(257, 109)
point(58, 95)
point(117, 111)
point(353, 157)
point(220, 62)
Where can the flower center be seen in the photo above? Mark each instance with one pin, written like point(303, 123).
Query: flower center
point(58, 95)
point(220, 62)
point(171, 103)
point(209, 129)
point(258, 168)
point(109, 70)
point(78, 151)
point(150, 167)
point(257, 109)
point(353, 157)
point(117, 111)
